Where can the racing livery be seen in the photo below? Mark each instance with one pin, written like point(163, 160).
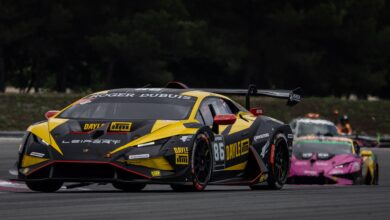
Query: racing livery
point(187, 138)
point(331, 160)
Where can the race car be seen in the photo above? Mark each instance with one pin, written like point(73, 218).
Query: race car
point(331, 160)
point(308, 126)
point(187, 138)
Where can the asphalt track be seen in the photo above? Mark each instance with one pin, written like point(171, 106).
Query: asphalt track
point(159, 202)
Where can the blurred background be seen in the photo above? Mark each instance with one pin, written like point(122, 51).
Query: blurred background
point(338, 49)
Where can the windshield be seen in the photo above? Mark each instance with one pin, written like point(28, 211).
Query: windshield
point(306, 129)
point(134, 107)
point(329, 147)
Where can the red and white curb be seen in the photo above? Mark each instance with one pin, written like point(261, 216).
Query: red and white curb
point(12, 186)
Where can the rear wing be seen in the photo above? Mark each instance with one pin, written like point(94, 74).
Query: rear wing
point(293, 96)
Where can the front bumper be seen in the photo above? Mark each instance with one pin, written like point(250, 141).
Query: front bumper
point(345, 179)
point(97, 171)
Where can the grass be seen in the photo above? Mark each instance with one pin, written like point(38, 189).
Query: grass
point(18, 111)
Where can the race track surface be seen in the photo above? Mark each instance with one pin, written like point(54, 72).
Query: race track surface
point(159, 202)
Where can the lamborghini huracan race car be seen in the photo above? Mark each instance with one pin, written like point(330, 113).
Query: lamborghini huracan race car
point(321, 155)
point(187, 138)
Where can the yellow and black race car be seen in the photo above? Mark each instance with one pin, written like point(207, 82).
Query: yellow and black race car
point(187, 138)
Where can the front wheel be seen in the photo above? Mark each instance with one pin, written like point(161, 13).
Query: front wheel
point(201, 165)
point(44, 186)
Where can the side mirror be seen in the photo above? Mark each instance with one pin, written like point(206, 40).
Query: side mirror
point(257, 111)
point(366, 153)
point(225, 119)
point(51, 113)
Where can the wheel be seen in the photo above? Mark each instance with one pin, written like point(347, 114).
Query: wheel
point(279, 164)
point(201, 165)
point(44, 186)
point(201, 162)
point(129, 187)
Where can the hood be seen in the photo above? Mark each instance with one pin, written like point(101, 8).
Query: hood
point(91, 139)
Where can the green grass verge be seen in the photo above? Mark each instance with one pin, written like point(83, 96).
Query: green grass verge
point(17, 111)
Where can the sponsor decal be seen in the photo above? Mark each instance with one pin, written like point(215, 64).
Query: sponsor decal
point(181, 155)
point(264, 149)
point(237, 149)
point(260, 136)
point(141, 95)
point(96, 141)
point(92, 126)
point(310, 172)
point(120, 126)
point(155, 173)
point(319, 163)
point(113, 95)
point(164, 95)
point(36, 154)
point(185, 138)
point(138, 156)
point(263, 178)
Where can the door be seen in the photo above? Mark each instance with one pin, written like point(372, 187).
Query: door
point(231, 144)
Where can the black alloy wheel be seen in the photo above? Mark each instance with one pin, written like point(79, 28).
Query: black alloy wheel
point(201, 165)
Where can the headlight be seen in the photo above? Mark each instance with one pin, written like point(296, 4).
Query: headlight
point(340, 166)
point(355, 166)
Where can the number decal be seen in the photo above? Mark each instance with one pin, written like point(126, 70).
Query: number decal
point(219, 152)
point(216, 151)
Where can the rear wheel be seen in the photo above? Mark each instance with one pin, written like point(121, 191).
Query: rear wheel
point(44, 186)
point(279, 163)
point(201, 165)
point(129, 187)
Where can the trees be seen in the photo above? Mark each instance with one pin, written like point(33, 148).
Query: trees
point(328, 47)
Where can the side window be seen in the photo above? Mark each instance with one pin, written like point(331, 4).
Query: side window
point(206, 113)
point(199, 118)
point(219, 105)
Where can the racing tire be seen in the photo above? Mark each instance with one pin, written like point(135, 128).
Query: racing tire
point(279, 164)
point(129, 187)
point(201, 165)
point(44, 186)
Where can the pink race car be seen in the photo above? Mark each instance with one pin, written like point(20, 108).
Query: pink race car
point(325, 160)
